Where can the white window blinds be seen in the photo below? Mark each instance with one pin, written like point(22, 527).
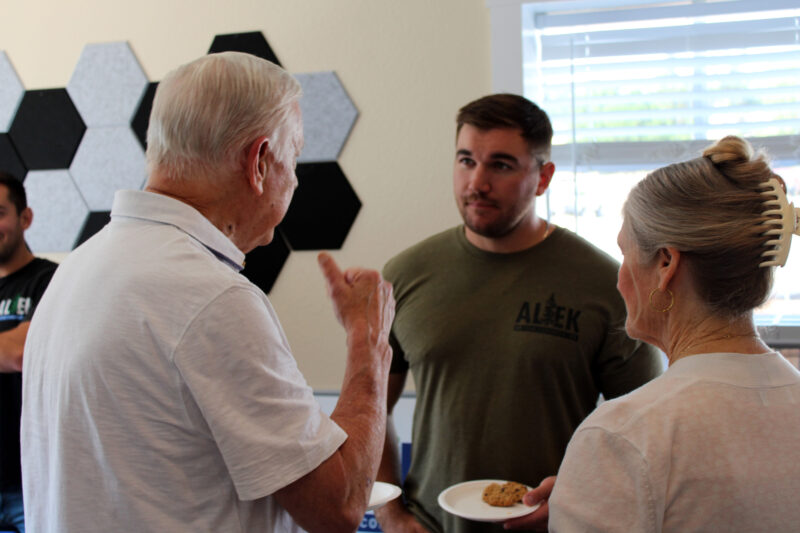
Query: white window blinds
point(631, 87)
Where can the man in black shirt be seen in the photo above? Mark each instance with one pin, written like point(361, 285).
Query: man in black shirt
point(23, 279)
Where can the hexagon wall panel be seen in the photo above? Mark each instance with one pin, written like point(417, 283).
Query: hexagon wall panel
point(11, 91)
point(108, 159)
point(323, 208)
point(251, 43)
point(9, 158)
point(73, 171)
point(93, 223)
point(141, 119)
point(107, 84)
point(263, 264)
point(328, 116)
point(58, 211)
point(46, 129)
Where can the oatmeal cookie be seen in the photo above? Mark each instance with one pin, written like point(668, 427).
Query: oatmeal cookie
point(504, 495)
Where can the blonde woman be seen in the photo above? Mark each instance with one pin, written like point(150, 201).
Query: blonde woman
point(714, 443)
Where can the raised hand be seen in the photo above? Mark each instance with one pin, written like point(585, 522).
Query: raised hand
point(361, 299)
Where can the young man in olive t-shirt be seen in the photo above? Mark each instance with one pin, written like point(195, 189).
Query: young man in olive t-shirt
point(511, 327)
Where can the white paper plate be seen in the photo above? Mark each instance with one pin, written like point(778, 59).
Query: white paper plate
point(382, 493)
point(465, 500)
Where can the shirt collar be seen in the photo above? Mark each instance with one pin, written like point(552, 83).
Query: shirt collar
point(752, 370)
point(166, 210)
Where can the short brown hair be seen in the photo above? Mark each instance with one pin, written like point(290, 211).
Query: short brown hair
point(509, 111)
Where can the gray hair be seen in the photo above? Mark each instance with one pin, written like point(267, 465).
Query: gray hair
point(711, 210)
point(207, 111)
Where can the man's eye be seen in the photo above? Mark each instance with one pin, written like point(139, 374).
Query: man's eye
point(466, 161)
point(499, 165)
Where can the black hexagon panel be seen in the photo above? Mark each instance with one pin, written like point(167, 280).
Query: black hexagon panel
point(10, 161)
point(75, 146)
point(47, 129)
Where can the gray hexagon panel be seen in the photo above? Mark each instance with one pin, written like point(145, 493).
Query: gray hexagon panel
point(107, 159)
point(58, 211)
point(11, 91)
point(328, 116)
point(107, 84)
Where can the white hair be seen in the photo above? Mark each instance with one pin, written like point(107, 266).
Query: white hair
point(207, 111)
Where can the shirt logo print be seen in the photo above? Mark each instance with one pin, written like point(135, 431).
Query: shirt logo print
point(548, 318)
point(14, 308)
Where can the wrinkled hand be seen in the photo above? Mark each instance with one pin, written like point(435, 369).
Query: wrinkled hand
point(537, 520)
point(361, 299)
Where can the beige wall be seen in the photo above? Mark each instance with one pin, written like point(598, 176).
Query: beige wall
point(407, 64)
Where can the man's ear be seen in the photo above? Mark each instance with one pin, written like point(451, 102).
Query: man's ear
point(667, 261)
point(26, 218)
point(257, 164)
point(546, 171)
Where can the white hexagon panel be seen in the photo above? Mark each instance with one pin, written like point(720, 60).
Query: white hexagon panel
point(11, 91)
point(328, 116)
point(108, 159)
point(107, 84)
point(58, 211)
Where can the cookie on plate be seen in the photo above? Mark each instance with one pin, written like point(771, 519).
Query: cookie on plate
point(504, 495)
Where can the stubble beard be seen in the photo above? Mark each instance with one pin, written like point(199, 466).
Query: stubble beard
point(8, 249)
point(501, 226)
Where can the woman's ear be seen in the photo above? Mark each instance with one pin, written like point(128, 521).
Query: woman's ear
point(667, 261)
point(257, 164)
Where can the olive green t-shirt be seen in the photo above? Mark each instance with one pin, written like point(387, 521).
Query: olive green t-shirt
point(509, 353)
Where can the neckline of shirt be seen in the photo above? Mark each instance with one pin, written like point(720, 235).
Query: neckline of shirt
point(163, 209)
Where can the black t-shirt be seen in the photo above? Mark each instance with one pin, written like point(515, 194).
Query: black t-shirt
point(20, 292)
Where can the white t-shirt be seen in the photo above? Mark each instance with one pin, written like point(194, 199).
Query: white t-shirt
point(711, 445)
point(159, 390)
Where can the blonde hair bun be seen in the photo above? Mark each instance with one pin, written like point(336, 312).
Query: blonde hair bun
point(736, 159)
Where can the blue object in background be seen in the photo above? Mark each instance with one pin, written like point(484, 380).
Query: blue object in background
point(369, 523)
point(405, 460)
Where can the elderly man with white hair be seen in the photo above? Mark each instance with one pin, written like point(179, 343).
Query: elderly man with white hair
point(159, 390)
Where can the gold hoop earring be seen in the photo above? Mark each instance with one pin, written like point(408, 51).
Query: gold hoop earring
point(668, 307)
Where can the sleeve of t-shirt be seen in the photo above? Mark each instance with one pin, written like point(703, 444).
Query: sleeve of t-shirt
point(261, 413)
point(38, 287)
point(602, 486)
point(624, 364)
point(399, 362)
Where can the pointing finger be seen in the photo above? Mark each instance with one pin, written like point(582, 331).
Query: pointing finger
point(329, 268)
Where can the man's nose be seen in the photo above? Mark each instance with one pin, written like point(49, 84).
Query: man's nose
point(480, 180)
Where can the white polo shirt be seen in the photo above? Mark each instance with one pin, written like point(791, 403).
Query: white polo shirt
point(159, 390)
point(713, 444)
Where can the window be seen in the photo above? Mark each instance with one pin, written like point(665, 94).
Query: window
point(632, 86)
